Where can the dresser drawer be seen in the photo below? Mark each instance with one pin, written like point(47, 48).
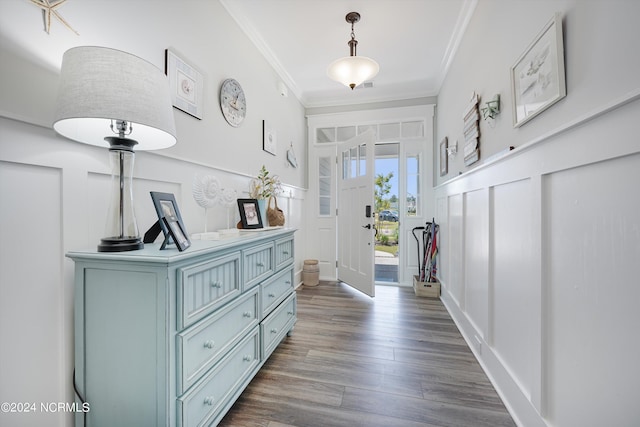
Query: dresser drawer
point(275, 290)
point(277, 324)
point(202, 288)
point(258, 264)
point(203, 345)
point(284, 252)
point(205, 402)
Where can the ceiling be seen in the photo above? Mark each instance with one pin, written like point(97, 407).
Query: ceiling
point(413, 41)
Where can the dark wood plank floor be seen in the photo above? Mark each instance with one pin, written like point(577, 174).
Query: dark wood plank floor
point(392, 360)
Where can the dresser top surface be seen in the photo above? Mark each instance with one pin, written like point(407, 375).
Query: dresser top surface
point(152, 253)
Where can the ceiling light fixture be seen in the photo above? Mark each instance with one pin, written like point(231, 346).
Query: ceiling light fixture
point(352, 70)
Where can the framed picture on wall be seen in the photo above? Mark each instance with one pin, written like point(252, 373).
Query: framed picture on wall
point(537, 77)
point(444, 158)
point(186, 84)
point(268, 138)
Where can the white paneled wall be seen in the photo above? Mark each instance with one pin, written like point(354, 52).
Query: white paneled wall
point(54, 198)
point(539, 254)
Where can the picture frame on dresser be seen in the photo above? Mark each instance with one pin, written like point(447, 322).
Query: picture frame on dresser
point(176, 233)
point(250, 213)
point(167, 207)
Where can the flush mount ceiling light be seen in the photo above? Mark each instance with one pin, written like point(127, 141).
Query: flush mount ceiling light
point(352, 70)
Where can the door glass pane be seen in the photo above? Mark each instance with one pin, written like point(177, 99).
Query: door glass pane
point(412, 129)
point(413, 185)
point(345, 164)
point(325, 135)
point(345, 133)
point(389, 131)
point(324, 185)
point(363, 160)
point(363, 128)
point(353, 164)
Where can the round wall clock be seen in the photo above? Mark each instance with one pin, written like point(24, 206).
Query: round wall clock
point(232, 102)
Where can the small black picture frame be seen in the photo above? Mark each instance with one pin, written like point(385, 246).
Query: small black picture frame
point(166, 206)
point(176, 232)
point(250, 213)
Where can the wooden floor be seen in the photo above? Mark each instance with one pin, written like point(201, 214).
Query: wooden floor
point(392, 360)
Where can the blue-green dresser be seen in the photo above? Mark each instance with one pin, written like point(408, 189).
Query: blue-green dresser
point(169, 338)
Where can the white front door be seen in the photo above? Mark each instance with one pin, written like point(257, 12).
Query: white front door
point(355, 213)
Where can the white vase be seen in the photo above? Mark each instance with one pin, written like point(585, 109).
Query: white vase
point(262, 205)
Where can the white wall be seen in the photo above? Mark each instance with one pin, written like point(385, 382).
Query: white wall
point(538, 248)
point(53, 192)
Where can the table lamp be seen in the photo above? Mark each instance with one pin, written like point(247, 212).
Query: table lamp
point(107, 98)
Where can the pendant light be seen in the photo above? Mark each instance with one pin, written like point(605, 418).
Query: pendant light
point(353, 70)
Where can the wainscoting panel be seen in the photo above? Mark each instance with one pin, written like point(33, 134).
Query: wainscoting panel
point(591, 251)
point(476, 256)
point(455, 281)
point(512, 284)
point(31, 290)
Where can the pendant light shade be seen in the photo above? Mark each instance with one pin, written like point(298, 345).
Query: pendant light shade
point(353, 70)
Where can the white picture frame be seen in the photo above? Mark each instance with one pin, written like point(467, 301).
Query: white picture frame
point(269, 139)
point(538, 77)
point(444, 157)
point(186, 84)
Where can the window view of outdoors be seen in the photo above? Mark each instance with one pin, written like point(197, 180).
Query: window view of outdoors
point(386, 212)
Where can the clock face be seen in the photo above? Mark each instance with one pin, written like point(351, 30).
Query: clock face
point(233, 102)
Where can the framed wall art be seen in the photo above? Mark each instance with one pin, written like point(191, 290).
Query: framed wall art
point(444, 158)
point(186, 84)
point(268, 138)
point(537, 77)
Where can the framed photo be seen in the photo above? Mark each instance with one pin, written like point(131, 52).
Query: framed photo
point(268, 138)
point(537, 78)
point(444, 158)
point(186, 84)
point(176, 233)
point(166, 207)
point(250, 213)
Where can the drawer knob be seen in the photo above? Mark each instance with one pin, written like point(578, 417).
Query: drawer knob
point(209, 344)
point(290, 313)
point(247, 358)
point(216, 284)
point(209, 400)
point(288, 282)
point(274, 331)
point(260, 264)
point(285, 252)
point(272, 295)
point(247, 314)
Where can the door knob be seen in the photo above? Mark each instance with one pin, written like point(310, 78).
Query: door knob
point(368, 226)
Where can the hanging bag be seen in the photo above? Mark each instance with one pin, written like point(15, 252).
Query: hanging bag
point(275, 216)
